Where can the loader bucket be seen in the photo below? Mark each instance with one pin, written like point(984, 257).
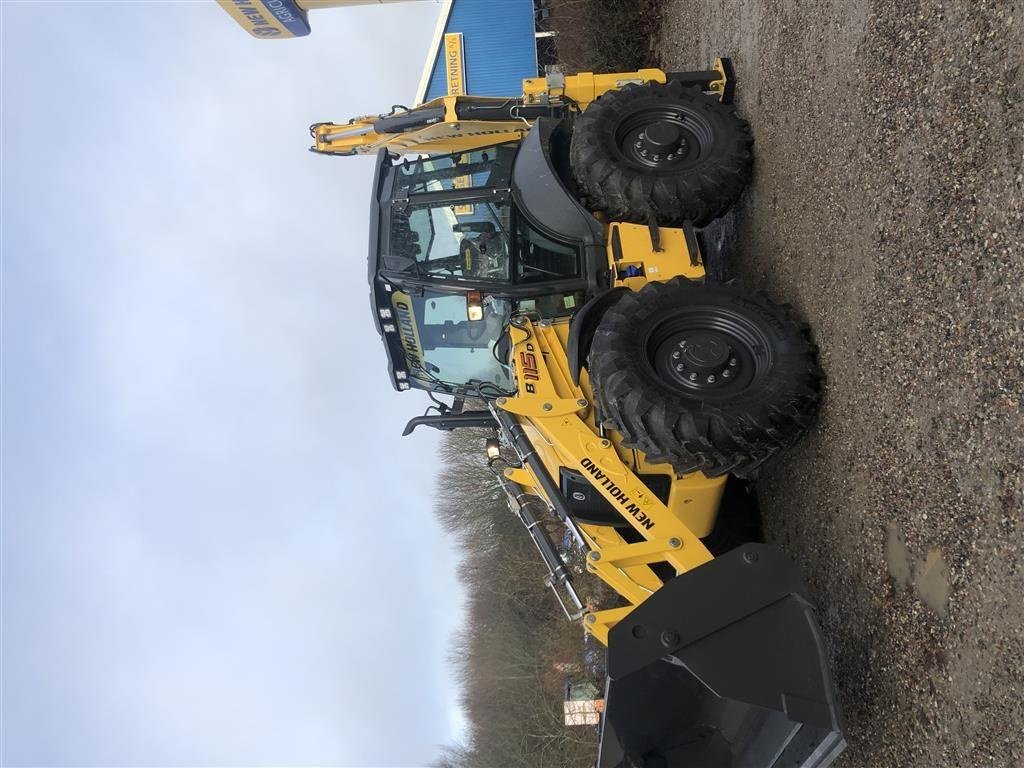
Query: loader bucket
point(723, 667)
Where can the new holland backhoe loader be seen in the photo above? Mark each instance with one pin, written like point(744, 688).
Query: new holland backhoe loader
point(540, 254)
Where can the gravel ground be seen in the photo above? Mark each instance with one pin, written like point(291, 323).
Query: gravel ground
point(887, 207)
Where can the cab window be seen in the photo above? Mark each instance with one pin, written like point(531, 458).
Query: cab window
point(552, 304)
point(457, 351)
point(489, 167)
point(540, 258)
point(455, 239)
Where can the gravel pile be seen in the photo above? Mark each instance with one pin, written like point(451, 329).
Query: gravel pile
point(888, 207)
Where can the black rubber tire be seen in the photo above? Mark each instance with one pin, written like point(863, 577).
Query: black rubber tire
point(698, 186)
point(735, 425)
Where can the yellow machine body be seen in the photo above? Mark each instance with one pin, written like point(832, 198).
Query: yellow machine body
point(711, 660)
point(558, 417)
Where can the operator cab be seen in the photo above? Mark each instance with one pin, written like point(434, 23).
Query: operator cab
point(452, 219)
point(454, 255)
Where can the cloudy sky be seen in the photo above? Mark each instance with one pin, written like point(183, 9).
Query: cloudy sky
point(216, 547)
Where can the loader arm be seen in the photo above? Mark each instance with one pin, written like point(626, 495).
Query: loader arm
point(722, 666)
point(552, 408)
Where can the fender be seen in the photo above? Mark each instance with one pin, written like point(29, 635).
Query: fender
point(584, 324)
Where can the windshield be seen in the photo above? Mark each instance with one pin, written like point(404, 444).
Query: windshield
point(452, 239)
point(479, 241)
point(445, 351)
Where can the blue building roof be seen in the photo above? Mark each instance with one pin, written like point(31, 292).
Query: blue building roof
point(498, 45)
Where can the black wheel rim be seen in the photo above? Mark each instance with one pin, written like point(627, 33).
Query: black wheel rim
point(708, 352)
point(664, 138)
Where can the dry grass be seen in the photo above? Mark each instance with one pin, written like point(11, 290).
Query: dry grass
point(605, 35)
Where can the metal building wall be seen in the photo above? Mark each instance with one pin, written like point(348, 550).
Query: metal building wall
point(498, 44)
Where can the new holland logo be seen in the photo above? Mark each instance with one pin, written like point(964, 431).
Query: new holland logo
point(617, 493)
point(407, 330)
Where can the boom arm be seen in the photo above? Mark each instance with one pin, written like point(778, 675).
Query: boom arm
point(431, 127)
point(462, 123)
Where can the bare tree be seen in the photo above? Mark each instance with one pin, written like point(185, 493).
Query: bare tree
point(505, 657)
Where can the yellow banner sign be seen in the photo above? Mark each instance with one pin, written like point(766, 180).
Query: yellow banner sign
point(454, 65)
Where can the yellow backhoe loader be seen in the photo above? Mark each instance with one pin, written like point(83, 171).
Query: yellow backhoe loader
point(541, 255)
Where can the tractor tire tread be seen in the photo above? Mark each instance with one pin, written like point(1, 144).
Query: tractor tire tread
point(713, 437)
point(624, 192)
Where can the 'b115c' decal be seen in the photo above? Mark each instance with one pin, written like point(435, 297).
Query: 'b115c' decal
point(617, 493)
point(528, 364)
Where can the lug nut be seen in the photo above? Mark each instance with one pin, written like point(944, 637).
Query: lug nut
point(693, 377)
point(726, 374)
point(732, 361)
point(711, 379)
point(675, 355)
point(680, 368)
point(638, 144)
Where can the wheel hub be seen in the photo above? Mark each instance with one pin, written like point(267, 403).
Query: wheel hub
point(705, 352)
point(662, 138)
point(704, 359)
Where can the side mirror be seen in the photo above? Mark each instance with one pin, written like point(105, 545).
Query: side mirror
point(475, 305)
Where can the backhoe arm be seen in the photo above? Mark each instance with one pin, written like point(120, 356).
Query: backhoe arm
point(462, 123)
